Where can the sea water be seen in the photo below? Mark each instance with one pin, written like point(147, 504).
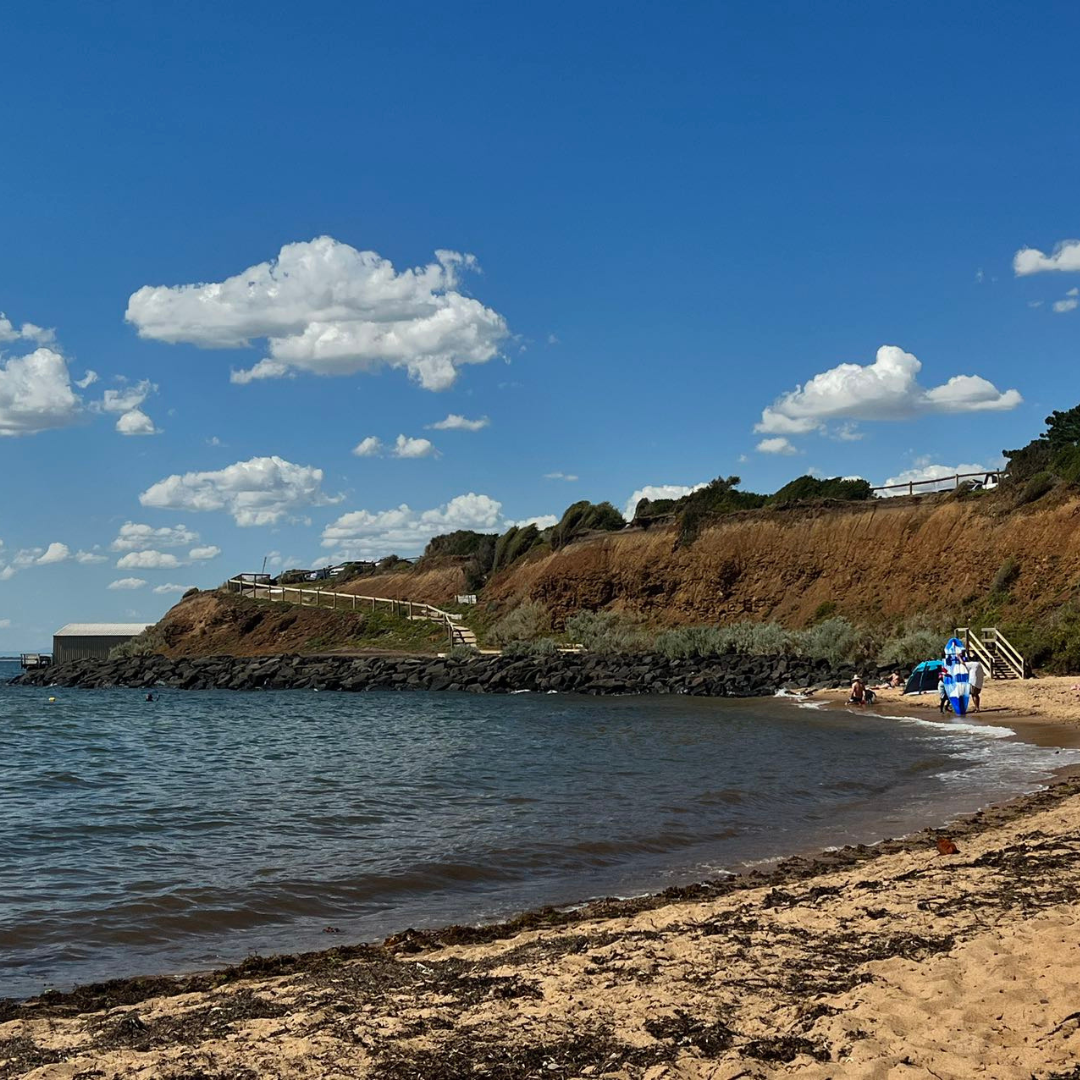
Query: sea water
point(140, 838)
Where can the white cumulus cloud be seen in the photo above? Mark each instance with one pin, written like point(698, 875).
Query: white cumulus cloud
point(406, 447)
point(365, 534)
point(171, 588)
point(88, 558)
point(25, 558)
point(657, 491)
point(1065, 256)
point(1070, 303)
point(457, 422)
point(148, 560)
point(130, 397)
point(542, 521)
point(202, 554)
point(54, 553)
point(325, 307)
point(887, 389)
point(127, 583)
point(27, 332)
point(776, 445)
point(136, 422)
point(88, 379)
point(36, 394)
point(135, 536)
point(369, 447)
point(569, 477)
point(260, 491)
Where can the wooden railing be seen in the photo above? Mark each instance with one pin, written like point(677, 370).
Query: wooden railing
point(998, 655)
point(339, 601)
point(911, 485)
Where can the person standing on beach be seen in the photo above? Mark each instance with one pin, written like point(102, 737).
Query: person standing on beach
point(976, 675)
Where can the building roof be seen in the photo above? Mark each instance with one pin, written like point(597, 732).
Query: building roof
point(102, 629)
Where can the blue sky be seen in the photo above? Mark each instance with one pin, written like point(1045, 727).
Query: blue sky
point(677, 217)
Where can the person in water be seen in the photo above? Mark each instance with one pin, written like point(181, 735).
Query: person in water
point(150, 697)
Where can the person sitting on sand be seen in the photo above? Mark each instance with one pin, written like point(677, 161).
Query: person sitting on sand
point(858, 691)
point(895, 682)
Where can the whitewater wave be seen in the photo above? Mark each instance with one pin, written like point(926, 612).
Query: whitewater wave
point(986, 731)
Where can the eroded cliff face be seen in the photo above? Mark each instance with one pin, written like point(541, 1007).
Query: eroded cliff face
point(875, 562)
point(436, 585)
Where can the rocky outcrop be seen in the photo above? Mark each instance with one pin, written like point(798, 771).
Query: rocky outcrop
point(729, 675)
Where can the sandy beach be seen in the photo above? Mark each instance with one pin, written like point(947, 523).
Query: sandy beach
point(887, 961)
point(1048, 700)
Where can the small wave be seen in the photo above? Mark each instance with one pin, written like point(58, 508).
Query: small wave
point(985, 730)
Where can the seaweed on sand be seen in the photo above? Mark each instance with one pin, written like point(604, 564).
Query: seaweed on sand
point(190, 1027)
point(494, 1059)
point(20, 1055)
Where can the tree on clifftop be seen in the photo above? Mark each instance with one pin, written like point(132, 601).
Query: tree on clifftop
point(1055, 452)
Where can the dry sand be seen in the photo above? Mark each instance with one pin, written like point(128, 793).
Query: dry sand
point(892, 961)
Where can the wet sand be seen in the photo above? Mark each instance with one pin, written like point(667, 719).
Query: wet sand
point(886, 961)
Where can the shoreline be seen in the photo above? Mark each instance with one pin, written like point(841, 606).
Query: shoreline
point(1049, 699)
point(92, 1008)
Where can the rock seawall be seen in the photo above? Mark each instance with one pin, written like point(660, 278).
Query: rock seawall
point(729, 675)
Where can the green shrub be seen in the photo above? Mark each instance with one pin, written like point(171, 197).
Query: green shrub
point(1052, 644)
point(807, 488)
point(460, 543)
point(607, 632)
point(1056, 451)
point(463, 652)
point(1035, 488)
point(524, 623)
point(1007, 573)
point(582, 517)
point(513, 544)
point(715, 499)
point(190, 592)
point(758, 639)
point(691, 641)
point(824, 610)
point(150, 642)
point(917, 641)
point(836, 640)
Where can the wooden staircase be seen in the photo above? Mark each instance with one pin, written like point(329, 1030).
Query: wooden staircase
point(462, 635)
point(996, 653)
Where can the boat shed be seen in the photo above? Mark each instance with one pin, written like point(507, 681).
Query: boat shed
point(92, 641)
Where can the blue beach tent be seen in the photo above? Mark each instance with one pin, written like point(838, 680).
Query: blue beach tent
point(924, 679)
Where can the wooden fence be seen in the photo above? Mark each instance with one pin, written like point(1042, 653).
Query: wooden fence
point(338, 601)
point(994, 475)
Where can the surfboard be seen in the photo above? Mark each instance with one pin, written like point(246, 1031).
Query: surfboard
point(956, 676)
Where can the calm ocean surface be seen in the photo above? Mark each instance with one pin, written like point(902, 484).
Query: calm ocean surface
point(143, 838)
